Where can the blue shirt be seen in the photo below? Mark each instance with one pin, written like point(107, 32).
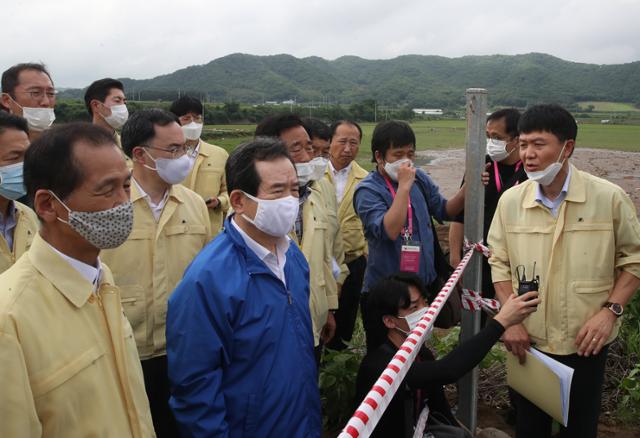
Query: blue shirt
point(240, 345)
point(372, 200)
point(8, 224)
point(554, 205)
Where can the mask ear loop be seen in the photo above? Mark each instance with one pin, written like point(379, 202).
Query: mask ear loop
point(63, 204)
point(254, 199)
point(152, 159)
point(561, 152)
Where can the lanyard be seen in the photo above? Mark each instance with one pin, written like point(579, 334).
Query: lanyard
point(408, 230)
point(496, 174)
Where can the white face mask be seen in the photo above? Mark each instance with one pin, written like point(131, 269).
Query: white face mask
point(392, 168)
point(319, 166)
point(192, 130)
point(414, 318)
point(546, 176)
point(497, 149)
point(118, 117)
point(172, 170)
point(311, 171)
point(275, 217)
point(38, 119)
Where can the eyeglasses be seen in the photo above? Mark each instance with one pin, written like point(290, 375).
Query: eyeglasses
point(40, 93)
point(176, 151)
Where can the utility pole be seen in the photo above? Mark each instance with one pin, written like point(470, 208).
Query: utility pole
point(473, 230)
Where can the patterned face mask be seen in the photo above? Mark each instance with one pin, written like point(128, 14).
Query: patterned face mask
point(103, 229)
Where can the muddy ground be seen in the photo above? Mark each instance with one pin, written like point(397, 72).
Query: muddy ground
point(622, 168)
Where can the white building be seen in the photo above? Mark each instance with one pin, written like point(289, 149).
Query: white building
point(427, 111)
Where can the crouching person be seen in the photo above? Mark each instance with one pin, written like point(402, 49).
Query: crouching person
point(396, 305)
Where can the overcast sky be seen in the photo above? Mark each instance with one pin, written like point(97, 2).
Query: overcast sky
point(83, 40)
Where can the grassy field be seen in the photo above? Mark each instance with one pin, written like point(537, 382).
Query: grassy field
point(609, 106)
point(450, 134)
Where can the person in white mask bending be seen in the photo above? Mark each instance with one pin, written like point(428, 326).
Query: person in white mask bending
point(582, 234)
point(171, 225)
point(396, 305)
point(27, 91)
point(107, 105)
point(505, 171)
point(316, 228)
point(207, 177)
point(239, 337)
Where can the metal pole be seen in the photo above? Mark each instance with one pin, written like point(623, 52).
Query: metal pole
point(473, 230)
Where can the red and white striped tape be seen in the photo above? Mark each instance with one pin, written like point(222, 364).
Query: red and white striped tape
point(366, 417)
point(477, 246)
point(473, 301)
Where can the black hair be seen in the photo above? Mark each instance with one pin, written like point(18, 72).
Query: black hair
point(240, 168)
point(11, 121)
point(49, 162)
point(511, 117)
point(316, 128)
point(186, 104)
point(140, 127)
point(335, 125)
point(99, 90)
point(387, 297)
point(273, 126)
point(10, 76)
point(389, 135)
point(549, 118)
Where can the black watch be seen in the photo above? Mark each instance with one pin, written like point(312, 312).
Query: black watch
point(616, 308)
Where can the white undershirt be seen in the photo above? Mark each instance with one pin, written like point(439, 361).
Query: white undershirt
point(275, 262)
point(156, 209)
point(340, 178)
point(88, 272)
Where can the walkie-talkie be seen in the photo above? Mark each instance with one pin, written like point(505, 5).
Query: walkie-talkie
point(525, 285)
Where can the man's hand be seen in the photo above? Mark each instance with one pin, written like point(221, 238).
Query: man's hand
point(329, 329)
point(212, 202)
point(516, 339)
point(406, 175)
point(595, 332)
point(485, 175)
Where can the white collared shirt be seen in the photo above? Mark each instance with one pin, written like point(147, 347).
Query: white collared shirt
point(156, 209)
point(554, 205)
point(88, 272)
point(275, 262)
point(340, 178)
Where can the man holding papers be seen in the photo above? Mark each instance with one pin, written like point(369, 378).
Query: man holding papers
point(583, 236)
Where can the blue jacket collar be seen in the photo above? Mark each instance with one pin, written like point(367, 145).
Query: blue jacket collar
point(254, 264)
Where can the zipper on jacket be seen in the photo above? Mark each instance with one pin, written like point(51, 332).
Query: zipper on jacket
point(289, 296)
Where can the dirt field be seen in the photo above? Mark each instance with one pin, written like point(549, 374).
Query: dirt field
point(622, 168)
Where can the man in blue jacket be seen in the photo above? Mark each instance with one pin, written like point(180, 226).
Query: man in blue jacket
point(239, 337)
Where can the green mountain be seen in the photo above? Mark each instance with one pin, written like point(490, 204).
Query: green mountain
point(418, 81)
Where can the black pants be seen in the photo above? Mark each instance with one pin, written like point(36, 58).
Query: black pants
point(364, 312)
point(156, 382)
point(348, 305)
point(584, 405)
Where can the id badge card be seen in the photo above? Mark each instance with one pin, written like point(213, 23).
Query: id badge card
point(410, 256)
